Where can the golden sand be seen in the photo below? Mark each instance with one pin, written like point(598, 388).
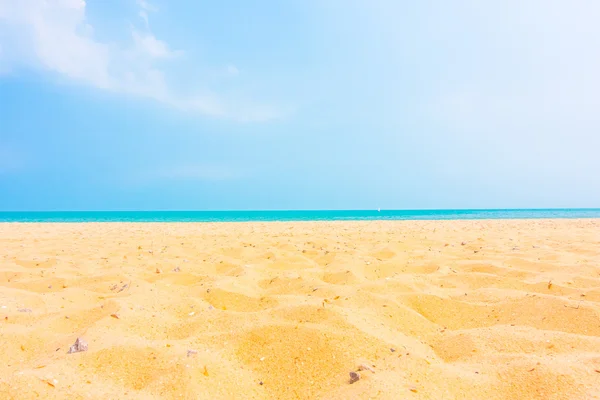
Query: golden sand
point(431, 310)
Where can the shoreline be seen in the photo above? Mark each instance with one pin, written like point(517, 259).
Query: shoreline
point(297, 216)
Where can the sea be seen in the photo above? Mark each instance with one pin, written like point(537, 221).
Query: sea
point(304, 215)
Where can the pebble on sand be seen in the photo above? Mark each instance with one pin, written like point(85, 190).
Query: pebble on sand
point(354, 377)
point(80, 345)
point(191, 353)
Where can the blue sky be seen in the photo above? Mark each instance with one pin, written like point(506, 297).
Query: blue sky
point(298, 104)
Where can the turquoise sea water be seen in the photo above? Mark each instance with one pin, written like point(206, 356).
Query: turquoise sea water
point(316, 215)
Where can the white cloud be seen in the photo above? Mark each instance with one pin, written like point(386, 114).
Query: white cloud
point(54, 35)
point(148, 44)
point(145, 8)
point(144, 5)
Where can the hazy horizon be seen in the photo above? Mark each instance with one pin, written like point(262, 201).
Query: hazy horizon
point(296, 210)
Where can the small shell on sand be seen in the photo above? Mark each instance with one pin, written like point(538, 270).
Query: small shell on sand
point(365, 367)
point(80, 345)
point(354, 377)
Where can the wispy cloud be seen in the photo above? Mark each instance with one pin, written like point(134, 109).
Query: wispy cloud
point(201, 172)
point(4, 69)
point(149, 45)
point(232, 70)
point(184, 173)
point(144, 15)
point(145, 8)
point(56, 36)
point(144, 5)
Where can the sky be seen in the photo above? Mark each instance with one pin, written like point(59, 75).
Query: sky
point(299, 104)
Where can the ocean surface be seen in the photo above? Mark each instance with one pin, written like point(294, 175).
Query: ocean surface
point(308, 215)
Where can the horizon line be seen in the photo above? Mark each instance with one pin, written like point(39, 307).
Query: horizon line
point(309, 210)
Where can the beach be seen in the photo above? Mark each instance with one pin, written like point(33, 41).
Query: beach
point(482, 309)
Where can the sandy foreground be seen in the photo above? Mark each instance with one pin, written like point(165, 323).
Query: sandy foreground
point(421, 310)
